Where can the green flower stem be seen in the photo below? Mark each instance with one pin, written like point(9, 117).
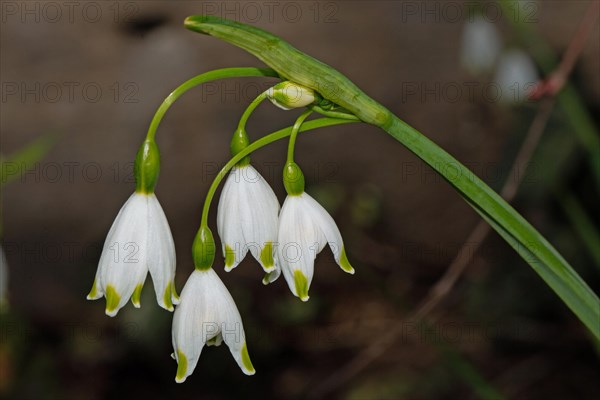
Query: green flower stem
point(240, 140)
point(265, 140)
point(294, 134)
point(291, 64)
point(334, 114)
point(198, 80)
point(255, 103)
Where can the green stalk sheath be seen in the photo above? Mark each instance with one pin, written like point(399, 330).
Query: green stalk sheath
point(293, 65)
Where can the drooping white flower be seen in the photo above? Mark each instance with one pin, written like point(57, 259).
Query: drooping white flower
point(516, 74)
point(139, 241)
point(207, 315)
point(480, 45)
point(247, 218)
point(305, 227)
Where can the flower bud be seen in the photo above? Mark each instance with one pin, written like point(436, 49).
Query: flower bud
point(146, 167)
point(203, 249)
point(293, 179)
point(288, 95)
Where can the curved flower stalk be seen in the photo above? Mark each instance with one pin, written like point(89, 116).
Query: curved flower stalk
point(298, 67)
point(139, 241)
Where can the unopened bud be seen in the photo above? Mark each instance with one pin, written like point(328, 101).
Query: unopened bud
point(288, 95)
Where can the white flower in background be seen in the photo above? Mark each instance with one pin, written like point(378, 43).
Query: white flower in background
point(516, 74)
point(247, 218)
point(480, 45)
point(207, 315)
point(305, 227)
point(288, 95)
point(3, 280)
point(139, 241)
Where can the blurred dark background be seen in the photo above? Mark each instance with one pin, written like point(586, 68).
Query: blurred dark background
point(92, 74)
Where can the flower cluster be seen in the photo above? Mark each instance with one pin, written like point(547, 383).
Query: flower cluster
point(283, 240)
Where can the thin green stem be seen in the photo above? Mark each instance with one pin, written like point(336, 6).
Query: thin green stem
point(294, 134)
point(255, 103)
point(265, 140)
point(335, 114)
point(198, 80)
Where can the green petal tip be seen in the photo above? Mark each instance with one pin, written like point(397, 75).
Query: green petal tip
point(93, 294)
point(137, 294)
point(167, 297)
point(248, 367)
point(266, 257)
point(344, 263)
point(112, 301)
point(181, 367)
point(301, 284)
point(229, 258)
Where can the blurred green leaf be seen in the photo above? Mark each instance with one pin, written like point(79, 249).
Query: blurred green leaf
point(581, 223)
point(12, 167)
point(465, 371)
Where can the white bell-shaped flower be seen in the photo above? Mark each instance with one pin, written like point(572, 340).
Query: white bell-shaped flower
point(516, 75)
point(247, 218)
point(207, 315)
point(305, 227)
point(139, 241)
point(480, 45)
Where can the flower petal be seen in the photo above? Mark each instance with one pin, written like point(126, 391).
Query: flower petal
point(300, 240)
point(187, 327)
point(330, 230)
point(230, 323)
point(228, 221)
point(161, 254)
point(122, 265)
point(259, 217)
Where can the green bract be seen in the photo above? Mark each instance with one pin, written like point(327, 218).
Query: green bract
point(293, 179)
point(203, 249)
point(146, 167)
point(293, 65)
point(239, 141)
